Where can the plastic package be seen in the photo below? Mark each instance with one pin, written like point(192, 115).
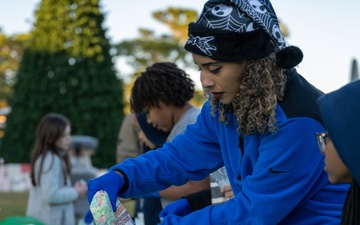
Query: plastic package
point(103, 214)
point(220, 177)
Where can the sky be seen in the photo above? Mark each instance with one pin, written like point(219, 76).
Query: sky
point(326, 31)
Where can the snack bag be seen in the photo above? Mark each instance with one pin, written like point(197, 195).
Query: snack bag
point(103, 214)
point(219, 179)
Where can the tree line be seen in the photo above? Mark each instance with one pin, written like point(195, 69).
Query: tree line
point(65, 65)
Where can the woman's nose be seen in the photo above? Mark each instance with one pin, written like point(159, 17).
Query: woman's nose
point(206, 81)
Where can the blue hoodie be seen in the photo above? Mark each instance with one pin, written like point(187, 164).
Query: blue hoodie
point(277, 178)
point(340, 111)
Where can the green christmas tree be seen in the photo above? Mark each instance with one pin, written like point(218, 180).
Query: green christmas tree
point(66, 68)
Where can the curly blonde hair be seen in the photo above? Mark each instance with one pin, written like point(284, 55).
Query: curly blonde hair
point(262, 85)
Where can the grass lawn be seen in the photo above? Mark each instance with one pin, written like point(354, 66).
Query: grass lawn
point(12, 204)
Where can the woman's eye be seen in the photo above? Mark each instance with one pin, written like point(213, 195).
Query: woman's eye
point(199, 69)
point(215, 70)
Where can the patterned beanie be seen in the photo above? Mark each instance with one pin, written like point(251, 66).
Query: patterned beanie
point(235, 30)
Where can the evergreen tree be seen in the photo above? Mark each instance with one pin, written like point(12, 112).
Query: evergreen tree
point(149, 47)
point(66, 68)
point(11, 50)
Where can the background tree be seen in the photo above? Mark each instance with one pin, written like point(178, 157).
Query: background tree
point(11, 51)
point(177, 20)
point(66, 68)
point(149, 47)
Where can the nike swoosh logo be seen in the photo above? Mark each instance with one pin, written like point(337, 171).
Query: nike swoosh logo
point(271, 170)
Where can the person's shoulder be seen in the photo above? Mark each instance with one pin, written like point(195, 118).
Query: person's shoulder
point(50, 160)
point(194, 110)
point(191, 114)
point(49, 155)
point(300, 97)
point(53, 157)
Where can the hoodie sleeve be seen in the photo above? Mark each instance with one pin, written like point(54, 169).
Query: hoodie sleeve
point(287, 172)
point(192, 155)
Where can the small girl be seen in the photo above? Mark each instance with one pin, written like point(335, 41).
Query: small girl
point(51, 197)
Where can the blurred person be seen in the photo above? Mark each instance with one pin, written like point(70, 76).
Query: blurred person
point(340, 144)
point(259, 122)
point(129, 145)
point(52, 196)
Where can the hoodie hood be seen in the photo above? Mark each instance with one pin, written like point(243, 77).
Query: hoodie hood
point(156, 136)
point(340, 112)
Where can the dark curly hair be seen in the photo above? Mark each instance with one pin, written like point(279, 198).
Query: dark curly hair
point(262, 85)
point(163, 81)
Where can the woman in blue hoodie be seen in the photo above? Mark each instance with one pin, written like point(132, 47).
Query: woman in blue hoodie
point(259, 122)
point(340, 111)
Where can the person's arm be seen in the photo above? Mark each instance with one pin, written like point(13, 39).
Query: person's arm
point(188, 204)
point(175, 163)
point(190, 156)
point(288, 170)
point(176, 192)
point(199, 200)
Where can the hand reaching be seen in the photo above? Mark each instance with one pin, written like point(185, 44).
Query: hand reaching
point(111, 182)
point(81, 188)
point(227, 191)
point(180, 207)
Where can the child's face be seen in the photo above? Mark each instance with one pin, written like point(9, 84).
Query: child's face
point(162, 117)
point(64, 141)
point(220, 78)
point(334, 166)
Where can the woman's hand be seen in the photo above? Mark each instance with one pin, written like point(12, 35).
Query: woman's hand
point(227, 192)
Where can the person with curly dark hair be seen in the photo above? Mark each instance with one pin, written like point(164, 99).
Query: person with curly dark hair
point(259, 122)
point(340, 144)
point(163, 92)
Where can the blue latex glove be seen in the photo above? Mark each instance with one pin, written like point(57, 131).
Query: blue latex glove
point(151, 195)
point(111, 182)
point(88, 217)
point(180, 207)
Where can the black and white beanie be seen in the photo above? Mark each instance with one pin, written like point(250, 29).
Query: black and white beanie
point(235, 30)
